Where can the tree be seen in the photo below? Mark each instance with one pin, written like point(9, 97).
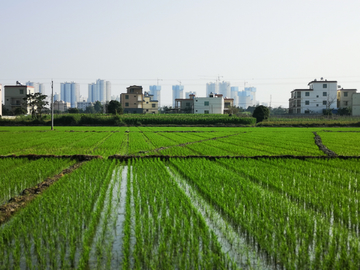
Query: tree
point(20, 111)
point(261, 113)
point(90, 109)
point(114, 107)
point(37, 102)
point(73, 110)
point(98, 107)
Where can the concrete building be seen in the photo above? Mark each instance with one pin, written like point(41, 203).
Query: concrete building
point(209, 105)
point(14, 96)
point(185, 105)
point(70, 92)
point(320, 95)
point(61, 106)
point(1, 103)
point(38, 87)
point(149, 104)
point(99, 91)
point(177, 92)
point(155, 90)
point(132, 100)
point(344, 98)
point(356, 104)
point(82, 105)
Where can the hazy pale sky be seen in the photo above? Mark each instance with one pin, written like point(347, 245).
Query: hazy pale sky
point(275, 46)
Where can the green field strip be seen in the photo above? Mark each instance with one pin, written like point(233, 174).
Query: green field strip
point(342, 143)
point(13, 180)
point(56, 230)
point(293, 236)
point(306, 187)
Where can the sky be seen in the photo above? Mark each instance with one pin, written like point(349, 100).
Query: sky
point(273, 45)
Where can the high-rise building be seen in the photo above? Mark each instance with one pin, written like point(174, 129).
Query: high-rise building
point(56, 97)
point(38, 87)
point(234, 95)
point(70, 92)
point(99, 91)
point(178, 92)
point(211, 88)
point(224, 89)
point(155, 90)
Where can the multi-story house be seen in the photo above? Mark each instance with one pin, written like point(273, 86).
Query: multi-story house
point(356, 104)
point(344, 98)
point(1, 94)
point(132, 100)
point(214, 104)
point(61, 106)
point(14, 96)
point(150, 105)
point(185, 105)
point(319, 96)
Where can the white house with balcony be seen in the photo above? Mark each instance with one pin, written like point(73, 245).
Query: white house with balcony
point(320, 95)
point(213, 104)
point(14, 96)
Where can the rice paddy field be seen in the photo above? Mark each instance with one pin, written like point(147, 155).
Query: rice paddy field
point(179, 198)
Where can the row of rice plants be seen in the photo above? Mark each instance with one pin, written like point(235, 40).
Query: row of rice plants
point(19, 174)
point(169, 231)
point(57, 229)
point(335, 196)
point(289, 233)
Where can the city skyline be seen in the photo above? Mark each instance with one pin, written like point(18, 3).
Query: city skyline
point(275, 46)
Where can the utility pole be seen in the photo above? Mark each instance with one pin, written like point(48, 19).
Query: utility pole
point(52, 105)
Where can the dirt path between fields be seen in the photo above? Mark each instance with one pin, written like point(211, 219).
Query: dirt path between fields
point(322, 147)
point(183, 144)
point(18, 202)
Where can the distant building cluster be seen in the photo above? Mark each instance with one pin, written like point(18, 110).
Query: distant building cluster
point(242, 98)
point(323, 95)
point(99, 91)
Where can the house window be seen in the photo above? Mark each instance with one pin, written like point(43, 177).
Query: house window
point(147, 102)
point(126, 104)
point(206, 103)
point(345, 94)
point(317, 96)
point(307, 94)
point(206, 112)
point(187, 104)
point(153, 105)
point(147, 110)
point(126, 96)
point(324, 94)
point(324, 85)
point(317, 105)
point(21, 91)
point(324, 102)
point(298, 94)
point(131, 90)
point(307, 102)
point(196, 110)
point(345, 103)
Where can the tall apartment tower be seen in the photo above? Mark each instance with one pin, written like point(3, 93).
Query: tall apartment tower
point(155, 90)
point(99, 91)
point(70, 92)
point(177, 92)
point(224, 89)
point(234, 95)
point(211, 88)
point(38, 87)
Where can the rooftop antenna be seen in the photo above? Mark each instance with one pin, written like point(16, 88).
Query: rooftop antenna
point(179, 82)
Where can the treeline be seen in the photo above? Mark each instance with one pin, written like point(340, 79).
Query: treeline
point(133, 120)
